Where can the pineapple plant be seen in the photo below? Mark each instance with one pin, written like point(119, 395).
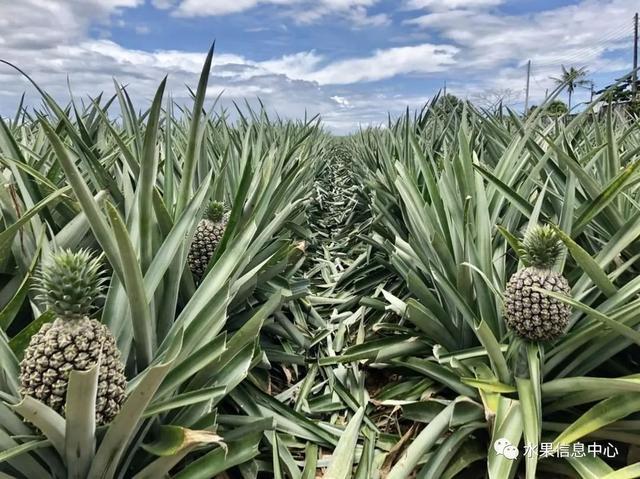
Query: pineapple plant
point(69, 286)
point(528, 313)
point(206, 238)
point(189, 353)
point(437, 187)
point(209, 367)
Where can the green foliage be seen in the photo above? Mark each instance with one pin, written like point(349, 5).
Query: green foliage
point(557, 108)
point(78, 179)
point(449, 198)
point(353, 305)
point(572, 78)
point(449, 103)
point(71, 283)
point(621, 94)
point(215, 211)
point(541, 247)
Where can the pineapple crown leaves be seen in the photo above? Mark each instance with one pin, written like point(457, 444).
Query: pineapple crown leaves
point(215, 211)
point(541, 247)
point(70, 283)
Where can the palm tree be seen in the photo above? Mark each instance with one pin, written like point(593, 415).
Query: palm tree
point(572, 78)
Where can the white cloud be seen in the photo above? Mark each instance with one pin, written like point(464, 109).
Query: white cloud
point(438, 20)
point(342, 101)
point(451, 4)
point(239, 91)
point(382, 64)
point(494, 47)
point(548, 37)
point(202, 8)
point(356, 15)
point(425, 58)
point(285, 84)
point(355, 9)
point(300, 11)
point(346, 4)
point(45, 24)
point(164, 4)
point(298, 65)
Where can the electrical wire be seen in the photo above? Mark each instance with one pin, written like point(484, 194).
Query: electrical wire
point(593, 51)
point(604, 40)
point(602, 45)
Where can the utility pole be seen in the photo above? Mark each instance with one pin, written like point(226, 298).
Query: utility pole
point(634, 85)
point(445, 89)
point(526, 98)
point(592, 87)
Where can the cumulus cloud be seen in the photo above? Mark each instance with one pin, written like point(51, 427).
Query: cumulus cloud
point(297, 65)
point(387, 63)
point(451, 4)
point(202, 8)
point(44, 24)
point(300, 11)
point(340, 100)
point(164, 4)
point(292, 85)
point(548, 37)
point(382, 64)
point(495, 47)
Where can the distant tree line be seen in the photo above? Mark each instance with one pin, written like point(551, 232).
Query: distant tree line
point(618, 95)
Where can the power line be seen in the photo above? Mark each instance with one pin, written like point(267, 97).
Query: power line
point(603, 42)
point(595, 50)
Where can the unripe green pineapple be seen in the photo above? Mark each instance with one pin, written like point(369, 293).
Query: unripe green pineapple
point(530, 314)
point(69, 285)
point(207, 236)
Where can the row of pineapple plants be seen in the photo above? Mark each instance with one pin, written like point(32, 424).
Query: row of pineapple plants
point(147, 262)
point(511, 313)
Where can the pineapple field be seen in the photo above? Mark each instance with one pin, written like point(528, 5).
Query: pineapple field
point(195, 293)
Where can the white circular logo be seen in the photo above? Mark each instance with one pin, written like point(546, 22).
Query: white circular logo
point(500, 445)
point(503, 447)
point(511, 452)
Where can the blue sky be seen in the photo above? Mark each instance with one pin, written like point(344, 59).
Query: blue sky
point(351, 61)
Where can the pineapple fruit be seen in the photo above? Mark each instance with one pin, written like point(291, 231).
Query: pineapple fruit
point(530, 314)
point(69, 286)
point(206, 238)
